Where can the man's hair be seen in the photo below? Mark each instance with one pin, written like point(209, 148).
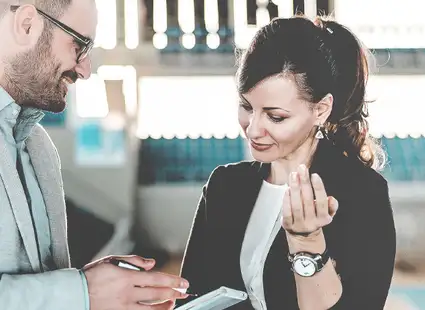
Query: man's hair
point(55, 8)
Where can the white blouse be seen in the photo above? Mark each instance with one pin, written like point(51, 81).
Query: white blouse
point(263, 227)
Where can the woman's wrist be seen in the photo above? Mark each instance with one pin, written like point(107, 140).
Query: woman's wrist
point(313, 243)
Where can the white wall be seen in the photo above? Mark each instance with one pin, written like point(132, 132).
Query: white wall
point(166, 212)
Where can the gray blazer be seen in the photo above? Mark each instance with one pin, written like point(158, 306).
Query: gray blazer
point(22, 286)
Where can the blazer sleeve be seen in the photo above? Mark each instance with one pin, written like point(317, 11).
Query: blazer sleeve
point(60, 289)
point(367, 269)
point(195, 264)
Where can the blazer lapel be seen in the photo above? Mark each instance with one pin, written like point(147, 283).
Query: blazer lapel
point(47, 170)
point(19, 204)
point(245, 200)
point(242, 203)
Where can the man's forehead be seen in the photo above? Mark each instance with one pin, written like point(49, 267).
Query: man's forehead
point(81, 16)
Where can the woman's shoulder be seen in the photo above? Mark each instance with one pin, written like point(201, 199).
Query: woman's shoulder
point(234, 174)
point(339, 167)
point(363, 186)
point(350, 179)
point(235, 170)
point(364, 176)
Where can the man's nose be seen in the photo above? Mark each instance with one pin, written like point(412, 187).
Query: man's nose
point(83, 68)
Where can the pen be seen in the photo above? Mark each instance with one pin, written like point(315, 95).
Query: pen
point(124, 264)
point(127, 265)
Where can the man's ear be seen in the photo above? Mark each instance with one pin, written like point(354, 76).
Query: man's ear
point(27, 25)
point(324, 108)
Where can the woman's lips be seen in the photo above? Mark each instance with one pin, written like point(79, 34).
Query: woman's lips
point(260, 147)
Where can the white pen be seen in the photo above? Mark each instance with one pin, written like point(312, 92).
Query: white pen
point(127, 265)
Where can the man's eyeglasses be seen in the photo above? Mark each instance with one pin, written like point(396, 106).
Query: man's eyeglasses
point(85, 44)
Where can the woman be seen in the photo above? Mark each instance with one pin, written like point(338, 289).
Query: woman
point(308, 224)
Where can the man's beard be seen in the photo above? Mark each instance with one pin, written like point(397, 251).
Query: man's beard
point(34, 78)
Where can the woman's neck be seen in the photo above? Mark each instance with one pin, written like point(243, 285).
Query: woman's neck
point(282, 167)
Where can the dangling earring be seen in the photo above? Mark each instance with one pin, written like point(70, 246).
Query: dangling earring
point(321, 132)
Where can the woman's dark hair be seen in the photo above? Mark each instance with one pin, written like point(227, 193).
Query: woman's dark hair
point(323, 57)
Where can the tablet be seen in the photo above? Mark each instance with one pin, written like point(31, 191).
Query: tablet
point(219, 299)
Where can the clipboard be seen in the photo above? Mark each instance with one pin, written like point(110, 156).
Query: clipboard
point(218, 299)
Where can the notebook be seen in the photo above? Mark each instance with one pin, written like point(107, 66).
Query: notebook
point(219, 299)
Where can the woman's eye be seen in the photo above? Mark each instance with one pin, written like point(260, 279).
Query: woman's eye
point(276, 119)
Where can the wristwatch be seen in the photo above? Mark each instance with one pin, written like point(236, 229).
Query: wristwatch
point(307, 264)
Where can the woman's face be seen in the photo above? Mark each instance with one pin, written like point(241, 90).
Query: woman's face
point(275, 120)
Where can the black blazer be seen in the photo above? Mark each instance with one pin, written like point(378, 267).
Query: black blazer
point(361, 238)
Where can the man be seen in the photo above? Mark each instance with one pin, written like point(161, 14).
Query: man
point(45, 46)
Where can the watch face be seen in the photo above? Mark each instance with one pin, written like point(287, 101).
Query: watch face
point(304, 266)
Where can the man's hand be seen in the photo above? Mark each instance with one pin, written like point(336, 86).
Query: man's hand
point(116, 288)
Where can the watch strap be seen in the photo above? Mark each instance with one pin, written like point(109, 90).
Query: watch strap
point(322, 260)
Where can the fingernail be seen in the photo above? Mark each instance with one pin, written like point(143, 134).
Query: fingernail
point(315, 178)
point(184, 284)
point(336, 204)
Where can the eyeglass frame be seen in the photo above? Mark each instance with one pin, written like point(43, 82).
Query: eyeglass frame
point(85, 42)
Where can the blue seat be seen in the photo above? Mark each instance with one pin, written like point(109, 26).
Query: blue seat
point(185, 160)
point(406, 158)
point(188, 160)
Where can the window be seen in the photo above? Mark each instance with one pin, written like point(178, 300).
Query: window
point(384, 23)
point(91, 95)
point(188, 106)
point(91, 98)
point(244, 17)
point(106, 33)
point(398, 110)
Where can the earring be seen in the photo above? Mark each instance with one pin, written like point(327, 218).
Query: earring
point(321, 132)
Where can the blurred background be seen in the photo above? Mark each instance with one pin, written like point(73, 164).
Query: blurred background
point(141, 136)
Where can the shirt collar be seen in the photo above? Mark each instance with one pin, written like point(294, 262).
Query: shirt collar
point(5, 99)
point(26, 118)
